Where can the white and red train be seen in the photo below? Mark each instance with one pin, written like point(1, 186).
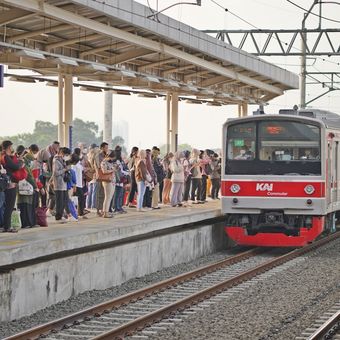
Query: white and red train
point(281, 177)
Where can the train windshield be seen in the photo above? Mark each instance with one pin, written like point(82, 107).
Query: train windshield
point(274, 147)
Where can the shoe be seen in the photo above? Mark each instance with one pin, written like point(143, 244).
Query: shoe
point(141, 210)
point(63, 220)
point(84, 217)
point(131, 206)
point(10, 230)
point(99, 213)
point(73, 219)
point(87, 212)
point(156, 208)
point(108, 215)
point(180, 205)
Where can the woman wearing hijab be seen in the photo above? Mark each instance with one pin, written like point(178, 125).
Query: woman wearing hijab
point(177, 180)
point(167, 180)
point(196, 176)
point(142, 176)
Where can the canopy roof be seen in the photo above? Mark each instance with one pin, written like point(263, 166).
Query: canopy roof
point(116, 42)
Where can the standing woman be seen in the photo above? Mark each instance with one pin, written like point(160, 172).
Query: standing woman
point(106, 175)
point(187, 176)
point(141, 175)
point(26, 203)
point(177, 180)
point(167, 180)
point(132, 167)
point(196, 176)
point(11, 164)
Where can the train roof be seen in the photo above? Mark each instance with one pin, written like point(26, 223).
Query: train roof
point(327, 118)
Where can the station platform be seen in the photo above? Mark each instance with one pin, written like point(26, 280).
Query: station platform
point(34, 243)
point(43, 266)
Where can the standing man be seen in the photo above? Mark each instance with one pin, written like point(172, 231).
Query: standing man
point(104, 149)
point(59, 170)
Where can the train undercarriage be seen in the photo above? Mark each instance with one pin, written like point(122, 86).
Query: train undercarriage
point(276, 229)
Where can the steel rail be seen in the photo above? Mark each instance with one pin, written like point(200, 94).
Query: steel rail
point(129, 328)
point(326, 327)
point(99, 309)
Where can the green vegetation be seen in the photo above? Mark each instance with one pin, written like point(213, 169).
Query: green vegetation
point(45, 133)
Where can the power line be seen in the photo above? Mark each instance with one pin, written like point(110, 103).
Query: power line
point(317, 15)
point(252, 25)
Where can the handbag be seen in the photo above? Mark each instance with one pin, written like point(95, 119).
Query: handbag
point(101, 176)
point(148, 177)
point(25, 188)
point(41, 217)
point(16, 220)
point(67, 176)
point(4, 181)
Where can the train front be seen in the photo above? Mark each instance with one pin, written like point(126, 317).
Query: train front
point(273, 185)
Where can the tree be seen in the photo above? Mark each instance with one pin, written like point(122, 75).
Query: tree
point(85, 132)
point(181, 147)
point(45, 133)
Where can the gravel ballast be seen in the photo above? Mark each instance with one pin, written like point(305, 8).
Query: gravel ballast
point(88, 299)
point(280, 307)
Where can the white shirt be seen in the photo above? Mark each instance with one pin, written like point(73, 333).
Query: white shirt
point(78, 169)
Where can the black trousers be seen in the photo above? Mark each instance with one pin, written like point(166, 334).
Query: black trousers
point(133, 188)
point(196, 185)
point(26, 215)
point(204, 188)
point(100, 195)
point(187, 185)
point(61, 203)
point(10, 198)
point(81, 201)
point(161, 186)
point(215, 187)
point(147, 201)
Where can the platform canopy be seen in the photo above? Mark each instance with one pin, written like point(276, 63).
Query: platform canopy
point(120, 43)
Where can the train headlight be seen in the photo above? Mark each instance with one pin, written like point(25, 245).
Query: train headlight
point(309, 189)
point(235, 188)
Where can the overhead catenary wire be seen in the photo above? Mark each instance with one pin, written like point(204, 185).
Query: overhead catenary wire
point(317, 15)
point(252, 25)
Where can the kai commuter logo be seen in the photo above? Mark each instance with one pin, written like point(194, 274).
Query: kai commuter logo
point(264, 186)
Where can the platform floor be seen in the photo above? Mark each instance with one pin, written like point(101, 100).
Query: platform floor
point(33, 243)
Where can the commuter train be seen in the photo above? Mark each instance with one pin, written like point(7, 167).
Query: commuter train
point(280, 177)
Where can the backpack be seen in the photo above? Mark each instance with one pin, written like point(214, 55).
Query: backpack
point(19, 175)
point(208, 169)
point(4, 182)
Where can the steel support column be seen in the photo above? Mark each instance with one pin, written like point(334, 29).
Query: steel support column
point(61, 109)
point(68, 110)
point(107, 133)
point(168, 130)
point(174, 122)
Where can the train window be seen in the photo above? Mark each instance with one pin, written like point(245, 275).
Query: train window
point(241, 141)
point(288, 141)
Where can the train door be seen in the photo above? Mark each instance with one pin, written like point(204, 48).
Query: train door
point(335, 173)
point(329, 172)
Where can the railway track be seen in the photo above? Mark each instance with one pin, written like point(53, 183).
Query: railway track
point(154, 307)
point(325, 328)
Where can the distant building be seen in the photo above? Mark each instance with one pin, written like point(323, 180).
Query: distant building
point(121, 128)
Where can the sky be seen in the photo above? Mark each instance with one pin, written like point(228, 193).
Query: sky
point(199, 125)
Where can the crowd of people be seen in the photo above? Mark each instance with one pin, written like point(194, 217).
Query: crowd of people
point(56, 181)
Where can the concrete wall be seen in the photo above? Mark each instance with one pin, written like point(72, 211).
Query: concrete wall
point(26, 290)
